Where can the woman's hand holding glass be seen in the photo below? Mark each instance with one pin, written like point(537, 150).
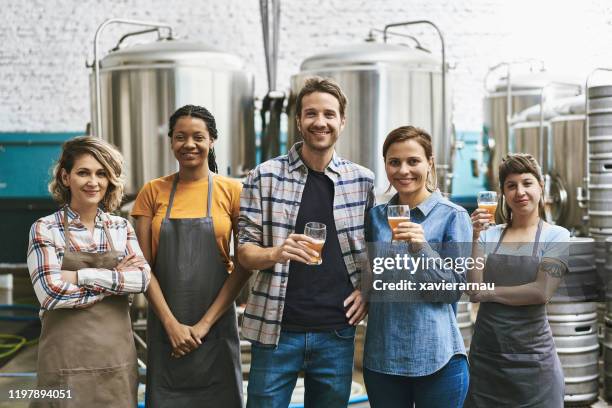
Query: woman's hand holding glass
point(481, 219)
point(410, 232)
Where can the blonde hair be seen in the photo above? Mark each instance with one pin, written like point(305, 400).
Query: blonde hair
point(105, 153)
point(517, 163)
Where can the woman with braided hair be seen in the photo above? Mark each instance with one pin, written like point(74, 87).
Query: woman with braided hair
point(185, 222)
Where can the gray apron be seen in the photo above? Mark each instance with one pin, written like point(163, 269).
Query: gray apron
point(89, 351)
point(513, 361)
point(191, 273)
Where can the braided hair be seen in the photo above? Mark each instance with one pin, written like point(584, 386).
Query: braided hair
point(199, 112)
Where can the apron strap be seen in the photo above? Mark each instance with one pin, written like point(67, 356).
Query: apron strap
point(173, 191)
point(535, 244)
point(66, 230)
point(174, 184)
point(108, 235)
point(210, 189)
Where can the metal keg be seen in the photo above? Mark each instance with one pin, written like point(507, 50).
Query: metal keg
point(600, 235)
point(464, 321)
point(607, 355)
point(607, 275)
point(600, 193)
point(600, 122)
point(601, 322)
point(574, 328)
point(581, 283)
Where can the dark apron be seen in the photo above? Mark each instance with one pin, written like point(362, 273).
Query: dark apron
point(513, 361)
point(89, 351)
point(191, 273)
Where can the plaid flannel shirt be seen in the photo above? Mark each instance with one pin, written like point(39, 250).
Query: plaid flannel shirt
point(46, 251)
point(269, 205)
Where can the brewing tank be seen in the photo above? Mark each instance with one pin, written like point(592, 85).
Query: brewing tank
point(568, 140)
point(552, 136)
point(142, 85)
point(387, 86)
point(505, 98)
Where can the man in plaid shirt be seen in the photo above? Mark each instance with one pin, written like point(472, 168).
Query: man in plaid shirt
point(301, 317)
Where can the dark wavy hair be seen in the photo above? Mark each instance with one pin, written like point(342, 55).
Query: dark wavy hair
point(199, 112)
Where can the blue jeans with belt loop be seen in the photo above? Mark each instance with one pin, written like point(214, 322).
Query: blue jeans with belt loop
point(446, 388)
point(326, 358)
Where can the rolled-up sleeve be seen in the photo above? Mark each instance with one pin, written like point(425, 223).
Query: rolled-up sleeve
point(250, 230)
point(45, 272)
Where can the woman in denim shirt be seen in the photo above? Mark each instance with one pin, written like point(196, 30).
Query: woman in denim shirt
point(414, 353)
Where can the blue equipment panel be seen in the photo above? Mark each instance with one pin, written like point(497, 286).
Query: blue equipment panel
point(469, 169)
point(26, 161)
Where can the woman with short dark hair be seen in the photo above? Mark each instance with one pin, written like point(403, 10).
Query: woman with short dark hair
point(513, 360)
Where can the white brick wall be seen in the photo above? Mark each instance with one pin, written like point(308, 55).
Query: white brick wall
point(44, 43)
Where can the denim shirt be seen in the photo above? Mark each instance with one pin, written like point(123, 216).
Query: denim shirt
point(418, 338)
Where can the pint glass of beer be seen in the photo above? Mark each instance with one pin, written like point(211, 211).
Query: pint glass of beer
point(318, 232)
point(397, 214)
point(487, 200)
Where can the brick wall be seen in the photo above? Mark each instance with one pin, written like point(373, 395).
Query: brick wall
point(44, 44)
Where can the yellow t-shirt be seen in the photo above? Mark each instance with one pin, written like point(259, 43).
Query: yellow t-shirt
point(190, 201)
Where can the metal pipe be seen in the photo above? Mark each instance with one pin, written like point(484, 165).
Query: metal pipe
point(134, 33)
point(443, 50)
point(509, 65)
point(413, 38)
point(96, 62)
point(494, 68)
point(271, 44)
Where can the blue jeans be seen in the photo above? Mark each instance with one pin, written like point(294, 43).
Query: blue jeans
point(446, 388)
point(326, 358)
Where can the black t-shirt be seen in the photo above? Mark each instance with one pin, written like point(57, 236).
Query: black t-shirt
point(316, 293)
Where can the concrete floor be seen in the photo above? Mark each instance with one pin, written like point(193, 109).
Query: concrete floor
point(26, 362)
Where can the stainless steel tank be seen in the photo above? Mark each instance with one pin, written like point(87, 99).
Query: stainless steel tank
point(525, 138)
point(552, 136)
point(387, 86)
point(508, 95)
point(568, 139)
point(142, 85)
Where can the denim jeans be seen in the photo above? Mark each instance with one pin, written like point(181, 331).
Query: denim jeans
point(326, 358)
point(446, 388)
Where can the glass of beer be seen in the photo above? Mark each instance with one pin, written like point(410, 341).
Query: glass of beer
point(318, 232)
point(397, 214)
point(487, 200)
